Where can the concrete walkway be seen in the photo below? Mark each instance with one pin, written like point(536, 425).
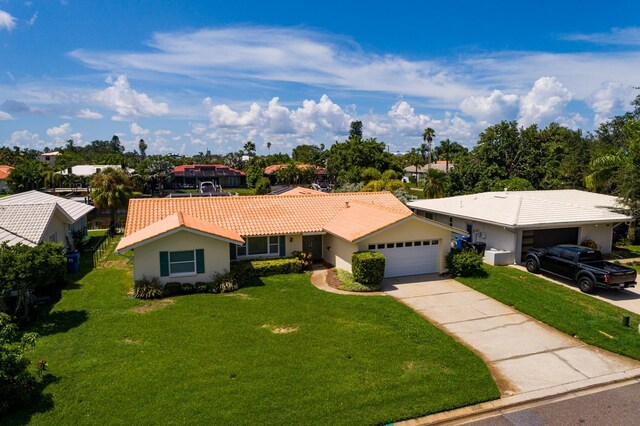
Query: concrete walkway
point(628, 299)
point(524, 355)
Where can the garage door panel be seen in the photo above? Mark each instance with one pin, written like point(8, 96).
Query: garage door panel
point(416, 260)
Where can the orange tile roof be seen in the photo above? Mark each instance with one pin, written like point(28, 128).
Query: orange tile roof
point(5, 171)
point(359, 220)
point(176, 221)
point(264, 215)
point(299, 190)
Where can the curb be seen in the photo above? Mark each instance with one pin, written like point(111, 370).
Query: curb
point(511, 403)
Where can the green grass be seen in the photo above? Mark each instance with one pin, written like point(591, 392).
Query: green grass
point(349, 284)
point(242, 191)
point(626, 252)
point(591, 320)
point(215, 359)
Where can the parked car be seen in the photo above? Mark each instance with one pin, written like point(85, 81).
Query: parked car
point(582, 265)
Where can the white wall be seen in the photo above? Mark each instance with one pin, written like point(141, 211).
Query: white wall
point(146, 261)
point(337, 251)
point(494, 236)
point(601, 234)
point(56, 226)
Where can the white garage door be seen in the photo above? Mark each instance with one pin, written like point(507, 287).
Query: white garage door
point(409, 257)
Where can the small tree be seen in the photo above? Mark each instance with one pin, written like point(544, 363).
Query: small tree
point(263, 186)
point(111, 190)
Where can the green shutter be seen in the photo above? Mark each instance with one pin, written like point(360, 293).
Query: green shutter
point(283, 249)
point(164, 264)
point(200, 261)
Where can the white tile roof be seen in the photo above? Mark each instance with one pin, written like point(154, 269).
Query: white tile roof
point(529, 208)
point(91, 169)
point(11, 238)
point(73, 208)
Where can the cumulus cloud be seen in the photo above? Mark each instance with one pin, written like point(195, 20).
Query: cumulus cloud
point(24, 139)
point(612, 95)
point(137, 130)
point(545, 102)
point(128, 103)
point(7, 22)
point(60, 131)
point(5, 116)
point(87, 114)
point(629, 36)
point(492, 108)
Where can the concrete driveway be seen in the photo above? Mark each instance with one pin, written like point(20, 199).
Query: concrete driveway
point(523, 354)
point(629, 298)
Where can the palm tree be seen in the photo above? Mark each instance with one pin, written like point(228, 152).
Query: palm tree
point(434, 184)
point(415, 159)
point(427, 136)
point(269, 147)
point(111, 190)
point(250, 148)
point(444, 151)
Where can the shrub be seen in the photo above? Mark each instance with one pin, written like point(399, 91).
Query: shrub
point(224, 283)
point(591, 244)
point(147, 289)
point(349, 284)
point(266, 267)
point(187, 288)
point(172, 288)
point(17, 384)
point(390, 175)
point(304, 256)
point(368, 267)
point(263, 186)
point(201, 287)
point(464, 263)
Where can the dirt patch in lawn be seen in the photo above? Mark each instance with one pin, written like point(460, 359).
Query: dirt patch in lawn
point(280, 330)
point(129, 341)
point(153, 306)
point(240, 295)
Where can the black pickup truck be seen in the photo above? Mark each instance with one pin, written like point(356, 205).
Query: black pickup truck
point(582, 265)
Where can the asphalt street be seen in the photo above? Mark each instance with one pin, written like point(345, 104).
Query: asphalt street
point(614, 407)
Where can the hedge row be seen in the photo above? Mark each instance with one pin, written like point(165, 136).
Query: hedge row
point(368, 267)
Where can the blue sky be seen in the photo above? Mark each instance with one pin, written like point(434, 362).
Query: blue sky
point(192, 76)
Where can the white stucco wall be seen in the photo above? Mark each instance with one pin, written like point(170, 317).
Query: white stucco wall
point(337, 251)
point(146, 261)
point(295, 245)
point(56, 226)
point(494, 236)
point(601, 234)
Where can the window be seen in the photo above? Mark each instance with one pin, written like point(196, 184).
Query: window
point(408, 244)
point(434, 242)
point(426, 243)
point(417, 243)
point(390, 245)
point(53, 237)
point(259, 246)
point(450, 221)
point(182, 262)
point(372, 247)
point(380, 246)
point(399, 245)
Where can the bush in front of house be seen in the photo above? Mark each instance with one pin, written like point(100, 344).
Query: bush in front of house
point(172, 288)
point(368, 267)
point(591, 244)
point(266, 267)
point(305, 257)
point(148, 289)
point(349, 284)
point(464, 263)
point(225, 283)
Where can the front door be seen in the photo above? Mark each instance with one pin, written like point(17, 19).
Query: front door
point(313, 245)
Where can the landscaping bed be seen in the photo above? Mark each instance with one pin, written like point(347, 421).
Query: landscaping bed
point(591, 320)
point(278, 351)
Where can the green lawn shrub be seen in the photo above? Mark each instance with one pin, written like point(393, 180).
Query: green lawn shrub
point(267, 267)
point(349, 284)
point(147, 289)
point(591, 244)
point(172, 288)
point(225, 283)
point(368, 267)
point(464, 263)
point(263, 186)
point(305, 257)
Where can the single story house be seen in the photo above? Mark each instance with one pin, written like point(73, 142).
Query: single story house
point(49, 158)
point(32, 217)
point(320, 172)
point(5, 171)
point(296, 190)
point(440, 165)
point(519, 220)
point(191, 175)
point(192, 239)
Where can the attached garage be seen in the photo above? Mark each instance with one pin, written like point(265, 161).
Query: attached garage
point(409, 257)
point(541, 238)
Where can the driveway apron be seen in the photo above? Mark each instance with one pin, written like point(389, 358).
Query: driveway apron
point(523, 354)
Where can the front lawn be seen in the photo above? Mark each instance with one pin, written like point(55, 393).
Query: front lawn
point(591, 320)
point(277, 352)
point(626, 252)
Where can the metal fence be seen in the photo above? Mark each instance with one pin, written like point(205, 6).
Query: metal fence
point(101, 247)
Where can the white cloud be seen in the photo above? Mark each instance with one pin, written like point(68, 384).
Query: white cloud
point(137, 130)
point(127, 102)
point(59, 131)
point(162, 132)
point(493, 108)
point(7, 21)
point(545, 102)
point(5, 116)
point(24, 139)
point(86, 113)
point(611, 96)
point(33, 19)
point(629, 36)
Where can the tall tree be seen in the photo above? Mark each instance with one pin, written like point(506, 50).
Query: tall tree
point(269, 147)
point(355, 132)
point(26, 175)
point(250, 148)
point(143, 148)
point(435, 183)
point(111, 190)
point(427, 136)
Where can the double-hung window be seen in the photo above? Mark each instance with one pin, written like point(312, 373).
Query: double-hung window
point(259, 246)
point(181, 263)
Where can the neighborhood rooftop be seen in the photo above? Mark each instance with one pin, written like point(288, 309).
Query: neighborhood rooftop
point(72, 208)
point(529, 208)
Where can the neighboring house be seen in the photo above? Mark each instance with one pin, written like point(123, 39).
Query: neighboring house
point(270, 171)
point(49, 158)
point(296, 190)
point(192, 239)
point(5, 171)
point(86, 170)
point(32, 217)
point(440, 165)
point(191, 175)
point(517, 221)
